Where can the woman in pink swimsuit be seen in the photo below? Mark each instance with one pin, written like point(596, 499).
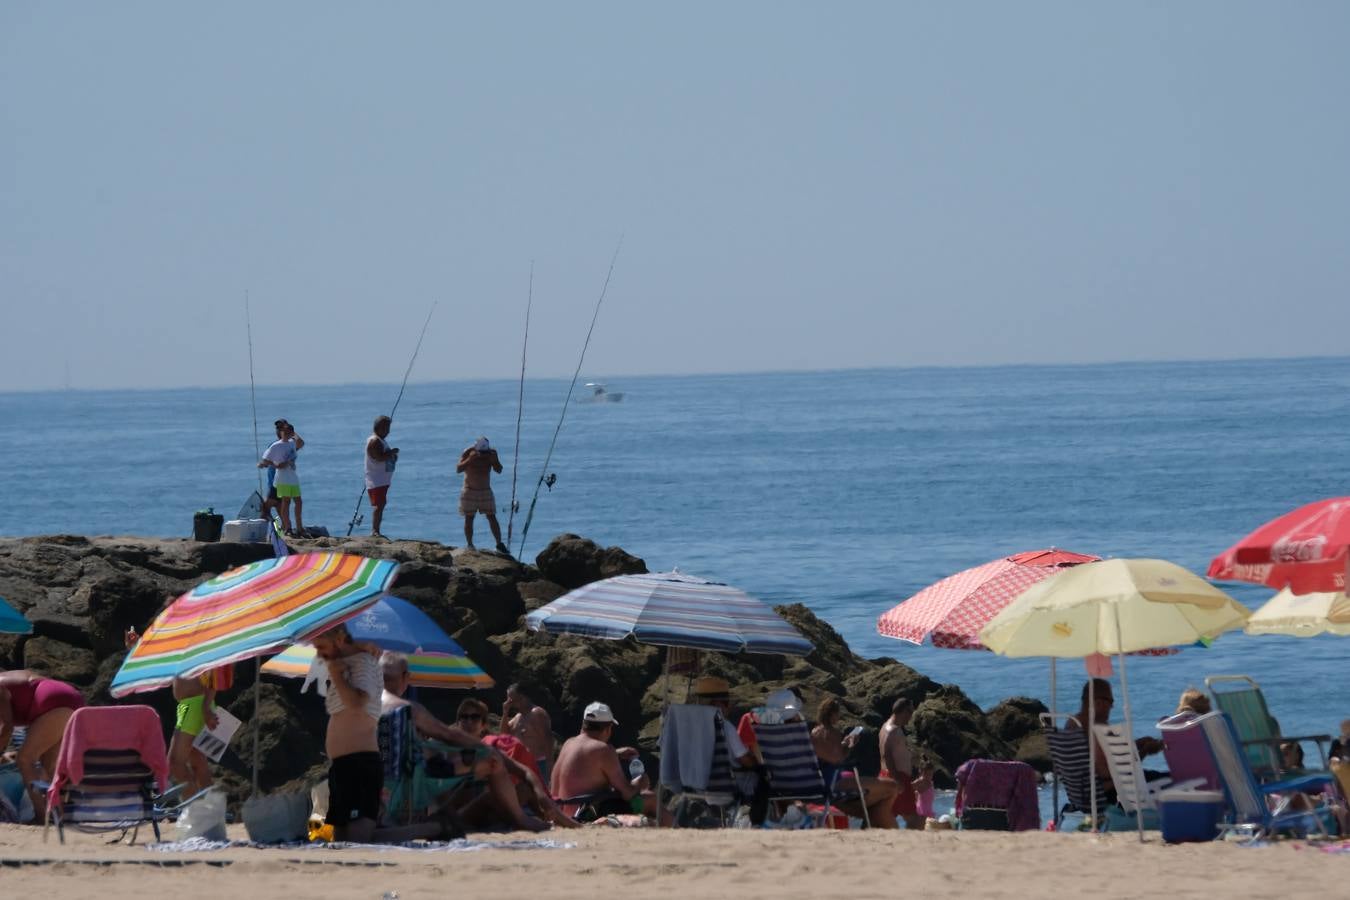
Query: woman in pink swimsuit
point(42, 705)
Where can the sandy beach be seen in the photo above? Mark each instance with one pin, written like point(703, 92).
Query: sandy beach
point(650, 863)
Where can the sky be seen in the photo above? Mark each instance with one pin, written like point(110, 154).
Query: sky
point(796, 185)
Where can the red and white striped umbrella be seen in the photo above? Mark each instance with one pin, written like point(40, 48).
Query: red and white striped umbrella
point(953, 610)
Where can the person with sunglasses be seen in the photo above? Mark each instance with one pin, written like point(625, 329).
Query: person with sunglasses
point(472, 718)
point(490, 800)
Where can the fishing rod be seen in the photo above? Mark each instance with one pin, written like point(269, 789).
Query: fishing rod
point(520, 409)
point(356, 513)
point(544, 477)
point(252, 393)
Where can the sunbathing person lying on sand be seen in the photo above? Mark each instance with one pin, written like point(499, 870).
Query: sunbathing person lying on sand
point(491, 801)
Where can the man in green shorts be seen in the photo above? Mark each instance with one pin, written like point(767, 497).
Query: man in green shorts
point(196, 710)
point(280, 457)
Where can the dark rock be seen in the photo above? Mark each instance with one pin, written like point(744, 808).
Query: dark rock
point(63, 662)
point(572, 561)
point(492, 598)
point(82, 593)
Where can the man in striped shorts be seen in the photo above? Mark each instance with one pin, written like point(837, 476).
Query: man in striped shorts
point(478, 463)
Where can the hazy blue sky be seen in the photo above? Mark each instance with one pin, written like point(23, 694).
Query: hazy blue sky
point(800, 185)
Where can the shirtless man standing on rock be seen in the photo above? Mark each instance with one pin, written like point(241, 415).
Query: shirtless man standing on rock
point(478, 463)
point(530, 724)
point(588, 764)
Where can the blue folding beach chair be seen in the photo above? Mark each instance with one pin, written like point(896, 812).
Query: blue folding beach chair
point(718, 790)
point(1247, 798)
point(1258, 732)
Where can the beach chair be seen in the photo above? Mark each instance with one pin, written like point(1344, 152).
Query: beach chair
point(1072, 767)
point(410, 784)
point(112, 774)
point(1247, 798)
point(684, 759)
point(790, 763)
point(1187, 754)
point(996, 795)
point(1259, 733)
point(1134, 792)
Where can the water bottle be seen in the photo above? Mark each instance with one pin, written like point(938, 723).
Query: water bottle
point(636, 769)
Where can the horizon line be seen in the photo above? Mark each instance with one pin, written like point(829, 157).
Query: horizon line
point(1065, 364)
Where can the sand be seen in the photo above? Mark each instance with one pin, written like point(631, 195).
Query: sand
point(701, 865)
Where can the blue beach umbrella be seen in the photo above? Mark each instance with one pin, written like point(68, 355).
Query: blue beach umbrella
point(670, 609)
point(434, 658)
point(11, 621)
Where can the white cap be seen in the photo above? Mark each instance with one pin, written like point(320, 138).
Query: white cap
point(599, 712)
point(481, 444)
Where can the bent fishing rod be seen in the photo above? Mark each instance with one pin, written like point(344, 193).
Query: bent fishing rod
point(544, 477)
point(360, 498)
point(520, 408)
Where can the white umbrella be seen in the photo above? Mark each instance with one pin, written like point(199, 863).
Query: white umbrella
point(1112, 607)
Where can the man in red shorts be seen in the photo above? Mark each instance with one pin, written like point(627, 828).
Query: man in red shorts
point(897, 764)
point(380, 462)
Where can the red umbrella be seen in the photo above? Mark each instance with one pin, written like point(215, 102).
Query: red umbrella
point(1304, 550)
point(954, 609)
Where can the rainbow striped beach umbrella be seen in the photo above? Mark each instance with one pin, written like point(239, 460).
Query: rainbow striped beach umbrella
point(670, 609)
point(391, 623)
point(252, 611)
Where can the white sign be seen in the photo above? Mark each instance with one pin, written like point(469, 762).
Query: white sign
point(213, 741)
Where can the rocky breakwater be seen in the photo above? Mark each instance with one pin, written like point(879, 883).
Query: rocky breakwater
point(80, 593)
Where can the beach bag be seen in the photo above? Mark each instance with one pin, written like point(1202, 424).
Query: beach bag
point(277, 818)
point(204, 818)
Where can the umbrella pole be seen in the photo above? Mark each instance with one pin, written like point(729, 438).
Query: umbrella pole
point(665, 677)
point(1054, 704)
point(1140, 789)
point(257, 719)
point(1092, 751)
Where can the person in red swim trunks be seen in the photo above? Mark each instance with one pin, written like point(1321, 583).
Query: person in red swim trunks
point(897, 764)
point(43, 706)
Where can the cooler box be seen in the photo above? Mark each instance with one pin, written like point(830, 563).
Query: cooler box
point(246, 531)
point(1190, 815)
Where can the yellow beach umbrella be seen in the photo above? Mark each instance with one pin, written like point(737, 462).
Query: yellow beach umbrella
point(1114, 606)
point(1302, 615)
point(1111, 607)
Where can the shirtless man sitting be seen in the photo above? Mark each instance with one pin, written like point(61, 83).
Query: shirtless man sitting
point(832, 748)
point(353, 688)
point(897, 764)
point(530, 724)
point(587, 764)
point(499, 805)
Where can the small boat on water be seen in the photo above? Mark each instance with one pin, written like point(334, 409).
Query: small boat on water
point(600, 394)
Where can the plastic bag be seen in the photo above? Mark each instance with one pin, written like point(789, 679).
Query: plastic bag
point(277, 818)
point(204, 818)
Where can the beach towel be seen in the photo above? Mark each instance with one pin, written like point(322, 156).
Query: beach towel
point(134, 728)
point(687, 736)
point(994, 784)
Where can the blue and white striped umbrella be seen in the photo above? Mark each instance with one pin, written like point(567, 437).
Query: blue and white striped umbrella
point(12, 621)
point(670, 609)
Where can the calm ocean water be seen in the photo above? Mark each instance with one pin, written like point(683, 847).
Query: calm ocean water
point(848, 491)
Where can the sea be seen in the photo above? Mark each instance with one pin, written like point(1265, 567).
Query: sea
point(847, 491)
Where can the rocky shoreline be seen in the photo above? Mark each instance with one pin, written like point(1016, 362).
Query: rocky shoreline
point(81, 592)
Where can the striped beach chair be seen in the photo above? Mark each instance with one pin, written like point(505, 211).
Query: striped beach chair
point(719, 791)
point(1072, 766)
point(111, 773)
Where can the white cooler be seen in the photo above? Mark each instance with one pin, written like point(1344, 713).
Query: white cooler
point(245, 531)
